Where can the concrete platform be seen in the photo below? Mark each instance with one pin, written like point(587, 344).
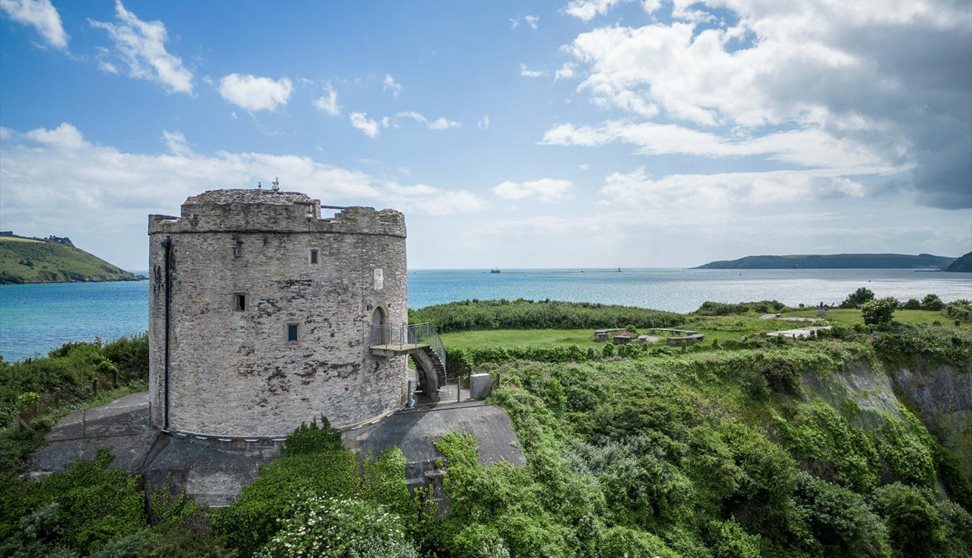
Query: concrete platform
point(213, 471)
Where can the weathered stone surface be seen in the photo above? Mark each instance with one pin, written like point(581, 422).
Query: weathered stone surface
point(214, 471)
point(234, 372)
point(479, 386)
point(416, 430)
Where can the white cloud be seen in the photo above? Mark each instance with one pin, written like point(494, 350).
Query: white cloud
point(367, 126)
point(255, 93)
point(544, 190)
point(586, 10)
point(651, 6)
point(389, 84)
point(532, 20)
point(810, 147)
point(6, 133)
point(176, 143)
point(440, 123)
point(412, 115)
point(688, 192)
point(566, 71)
point(527, 72)
point(141, 48)
point(872, 80)
point(328, 102)
point(64, 136)
point(42, 16)
point(430, 200)
point(584, 166)
point(483, 123)
point(54, 178)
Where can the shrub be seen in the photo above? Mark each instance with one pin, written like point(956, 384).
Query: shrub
point(858, 298)
point(622, 542)
point(932, 302)
point(911, 304)
point(841, 522)
point(710, 308)
point(542, 314)
point(339, 528)
point(879, 312)
point(915, 527)
point(311, 438)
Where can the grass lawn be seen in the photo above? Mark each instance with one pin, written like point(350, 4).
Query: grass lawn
point(853, 316)
point(583, 338)
point(722, 328)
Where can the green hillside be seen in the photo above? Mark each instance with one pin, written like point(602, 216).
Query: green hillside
point(962, 264)
point(53, 260)
point(834, 261)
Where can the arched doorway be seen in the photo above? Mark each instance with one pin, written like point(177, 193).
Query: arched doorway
point(379, 334)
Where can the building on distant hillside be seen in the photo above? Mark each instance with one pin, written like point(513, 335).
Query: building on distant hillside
point(261, 314)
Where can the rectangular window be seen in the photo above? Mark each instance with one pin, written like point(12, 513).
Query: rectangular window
point(238, 249)
point(313, 256)
point(291, 332)
point(239, 302)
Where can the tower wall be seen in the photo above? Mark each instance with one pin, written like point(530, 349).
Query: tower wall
point(234, 371)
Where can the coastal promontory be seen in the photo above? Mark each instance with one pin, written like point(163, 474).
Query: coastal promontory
point(963, 264)
point(835, 261)
point(53, 260)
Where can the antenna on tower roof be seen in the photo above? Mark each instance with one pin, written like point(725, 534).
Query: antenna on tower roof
point(276, 184)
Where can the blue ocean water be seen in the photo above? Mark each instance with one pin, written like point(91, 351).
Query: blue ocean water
point(36, 318)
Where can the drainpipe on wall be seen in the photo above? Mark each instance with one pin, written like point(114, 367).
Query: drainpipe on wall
point(167, 246)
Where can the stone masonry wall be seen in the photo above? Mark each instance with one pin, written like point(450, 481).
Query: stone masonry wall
point(234, 372)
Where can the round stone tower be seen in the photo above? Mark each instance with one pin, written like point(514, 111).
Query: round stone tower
point(260, 313)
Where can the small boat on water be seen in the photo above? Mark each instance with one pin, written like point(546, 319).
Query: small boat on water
point(494, 271)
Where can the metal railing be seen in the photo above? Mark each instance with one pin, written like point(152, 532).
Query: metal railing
point(409, 334)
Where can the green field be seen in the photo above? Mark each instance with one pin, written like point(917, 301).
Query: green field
point(721, 328)
point(853, 316)
point(31, 260)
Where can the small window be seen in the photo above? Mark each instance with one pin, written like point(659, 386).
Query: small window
point(313, 256)
point(291, 332)
point(238, 249)
point(239, 302)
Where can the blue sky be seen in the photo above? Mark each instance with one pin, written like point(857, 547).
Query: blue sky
point(578, 133)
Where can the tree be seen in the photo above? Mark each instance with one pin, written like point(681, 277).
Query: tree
point(879, 312)
point(912, 304)
point(858, 298)
point(932, 302)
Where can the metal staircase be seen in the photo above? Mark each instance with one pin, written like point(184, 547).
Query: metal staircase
point(421, 342)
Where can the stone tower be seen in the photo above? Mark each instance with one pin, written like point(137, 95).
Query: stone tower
point(260, 313)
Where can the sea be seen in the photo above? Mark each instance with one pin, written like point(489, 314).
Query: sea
point(37, 318)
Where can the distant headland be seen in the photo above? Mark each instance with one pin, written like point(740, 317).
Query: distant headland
point(53, 260)
point(964, 264)
point(835, 261)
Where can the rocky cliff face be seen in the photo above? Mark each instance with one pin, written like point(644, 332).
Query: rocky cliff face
point(941, 396)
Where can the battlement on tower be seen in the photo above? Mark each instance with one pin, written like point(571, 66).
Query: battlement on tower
point(244, 211)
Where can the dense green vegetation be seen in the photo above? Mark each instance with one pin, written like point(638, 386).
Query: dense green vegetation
point(35, 392)
point(834, 261)
point(34, 260)
point(746, 446)
point(544, 314)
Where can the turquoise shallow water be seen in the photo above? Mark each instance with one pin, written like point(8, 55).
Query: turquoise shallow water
point(36, 318)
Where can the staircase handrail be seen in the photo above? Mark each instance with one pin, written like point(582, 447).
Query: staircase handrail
point(409, 334)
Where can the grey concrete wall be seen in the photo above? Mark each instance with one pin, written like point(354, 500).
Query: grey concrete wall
point(234, 373)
